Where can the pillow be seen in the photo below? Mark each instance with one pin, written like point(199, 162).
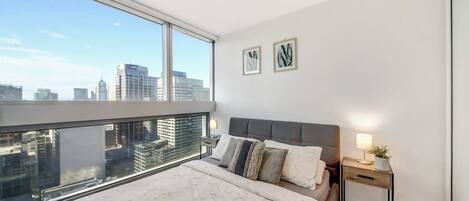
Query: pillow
point(222, 145)
point(272, 165)
point(320, 171)
point(247, 159)
point(300, 165)
point(228, 155)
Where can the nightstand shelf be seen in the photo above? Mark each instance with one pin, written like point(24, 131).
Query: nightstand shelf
point(210, 142)
point(353, 171)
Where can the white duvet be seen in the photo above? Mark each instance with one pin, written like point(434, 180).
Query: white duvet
point(197, 180)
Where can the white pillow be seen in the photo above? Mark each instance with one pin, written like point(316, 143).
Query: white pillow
point(222, 145)
point(301, 163)
point(320, 171)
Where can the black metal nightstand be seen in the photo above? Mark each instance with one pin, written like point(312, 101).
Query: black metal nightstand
point(210, 142)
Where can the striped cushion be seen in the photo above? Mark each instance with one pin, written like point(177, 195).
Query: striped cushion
point(247, 159)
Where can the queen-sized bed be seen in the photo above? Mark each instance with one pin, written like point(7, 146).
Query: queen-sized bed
point(204, 180)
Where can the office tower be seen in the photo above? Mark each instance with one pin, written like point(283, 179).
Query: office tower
point(147, 155)
point(82, 154)
point(9, 139)
point(48, 159)
point(80, 94)
point(110, 136)
point(93, 95)
point(185, 89)
point(133, 83)
point(19, 165)
point(183, 136)
point(45, 95)
point(10, 93)
point(102, 90)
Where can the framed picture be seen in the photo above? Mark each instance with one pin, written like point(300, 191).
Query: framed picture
point(285, 55)
point(252, 60)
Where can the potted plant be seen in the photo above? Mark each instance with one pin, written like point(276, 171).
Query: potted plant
point(381, 157)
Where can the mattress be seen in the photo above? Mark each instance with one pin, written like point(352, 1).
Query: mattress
point(320, 193)
point(197, 180)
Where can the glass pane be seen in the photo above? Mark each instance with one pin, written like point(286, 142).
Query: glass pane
point(191, 68)
point(83, 51)
point(41, 165)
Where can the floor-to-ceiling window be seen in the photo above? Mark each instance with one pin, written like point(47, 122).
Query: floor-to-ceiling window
point(84, 96)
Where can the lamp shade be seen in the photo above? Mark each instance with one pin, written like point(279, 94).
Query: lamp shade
point(364, 141)
point(213, 124)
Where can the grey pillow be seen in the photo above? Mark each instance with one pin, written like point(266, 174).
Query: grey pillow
point(228, 155)
point(272, 165)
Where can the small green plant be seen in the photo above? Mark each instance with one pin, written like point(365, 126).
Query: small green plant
point(380, 151)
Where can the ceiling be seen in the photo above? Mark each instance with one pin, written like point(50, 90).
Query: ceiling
point(220, 17)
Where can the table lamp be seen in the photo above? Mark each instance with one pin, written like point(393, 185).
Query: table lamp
point(213, 125)
point(364, 142)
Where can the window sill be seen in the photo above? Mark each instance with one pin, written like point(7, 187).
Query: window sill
point(30, 113)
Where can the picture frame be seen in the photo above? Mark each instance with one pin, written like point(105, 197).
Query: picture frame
point(252, 60)
point(285, 55)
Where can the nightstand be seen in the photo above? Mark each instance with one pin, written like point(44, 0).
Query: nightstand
point(353, 171)
point(209, 142)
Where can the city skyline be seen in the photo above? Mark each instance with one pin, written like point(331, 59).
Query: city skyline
point(43, 48)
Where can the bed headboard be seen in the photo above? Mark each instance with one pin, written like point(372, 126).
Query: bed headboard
point(294, 133)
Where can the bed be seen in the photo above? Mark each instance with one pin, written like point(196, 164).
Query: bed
point(203, 180)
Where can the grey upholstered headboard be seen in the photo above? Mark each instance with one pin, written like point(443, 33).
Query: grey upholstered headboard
point(295, 133)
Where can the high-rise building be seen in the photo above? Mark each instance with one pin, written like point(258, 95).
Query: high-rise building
point(93, 95)
point(80, 94)
point(110, 136)
point(10, 92)
point(10, 139)
point(48, 159)
point(185, 89)
point(45, 95)
point(133, 83)
point(147, 155)
point(102, 90)
point(19, 168)
point(178, 138)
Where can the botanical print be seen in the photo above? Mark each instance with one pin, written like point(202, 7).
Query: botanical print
point(251, 61)
point(285, 55)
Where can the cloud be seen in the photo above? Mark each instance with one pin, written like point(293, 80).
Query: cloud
point(10, 41)
point(54, 34)
point(24, 50)
point(117, 24)
point(47, 71)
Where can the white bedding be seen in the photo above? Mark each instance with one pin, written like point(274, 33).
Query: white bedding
point(197, 180)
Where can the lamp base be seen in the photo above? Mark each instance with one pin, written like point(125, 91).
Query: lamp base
point(364, 162)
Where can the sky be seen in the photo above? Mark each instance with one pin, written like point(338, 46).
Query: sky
point(66, 44)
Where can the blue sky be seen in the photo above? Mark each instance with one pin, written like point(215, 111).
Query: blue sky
point(66, 44)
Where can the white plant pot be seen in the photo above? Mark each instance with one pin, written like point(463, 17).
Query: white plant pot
point(382, 164)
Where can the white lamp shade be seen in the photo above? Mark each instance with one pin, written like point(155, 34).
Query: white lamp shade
point(364, 141)
point(213, 124)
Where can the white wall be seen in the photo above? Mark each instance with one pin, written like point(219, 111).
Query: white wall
point(82, 154)
point(461, 99)
point(374, 66)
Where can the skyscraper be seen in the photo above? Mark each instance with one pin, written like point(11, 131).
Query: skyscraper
point(185, 89)
point(10, 92)
point(45, 95)
point(93, 95)
point(80, 94)
point(102, 90)
point(133, 83)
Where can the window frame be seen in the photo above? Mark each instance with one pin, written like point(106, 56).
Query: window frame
point(79, 113)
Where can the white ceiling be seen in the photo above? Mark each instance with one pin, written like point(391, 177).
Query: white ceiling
point(220, 17)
